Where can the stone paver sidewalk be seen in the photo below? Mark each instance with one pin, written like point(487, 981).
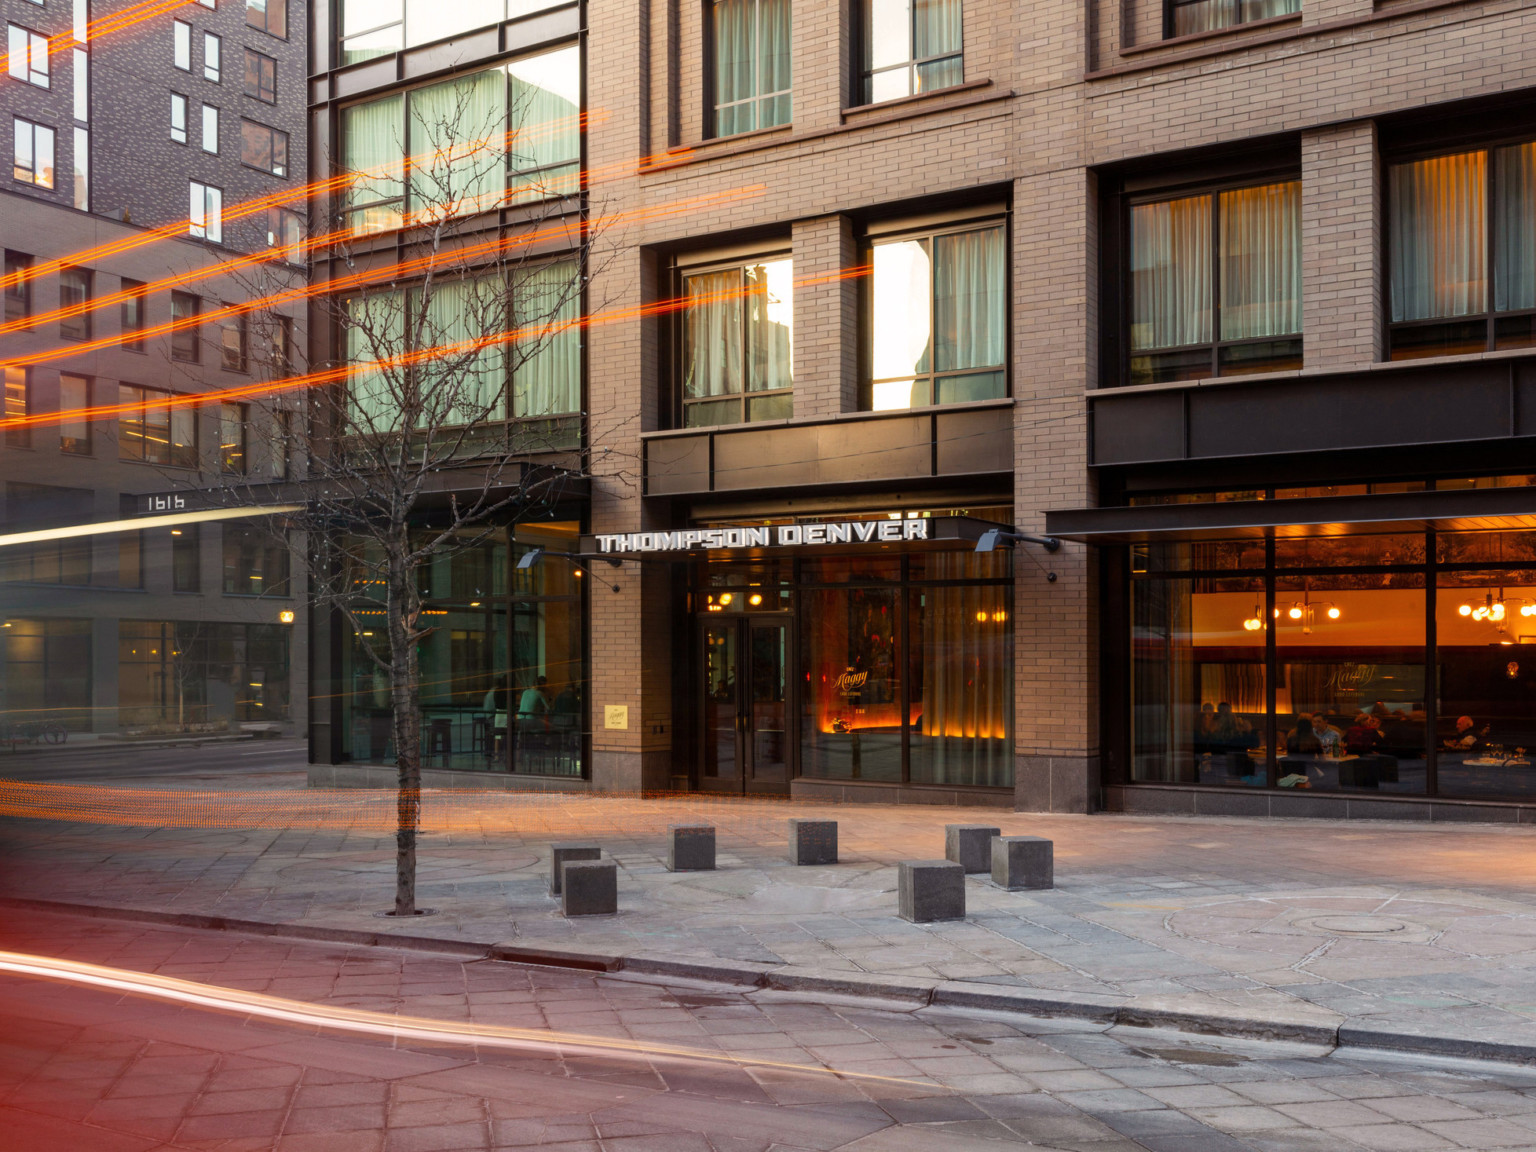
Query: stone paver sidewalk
point(1427, 930)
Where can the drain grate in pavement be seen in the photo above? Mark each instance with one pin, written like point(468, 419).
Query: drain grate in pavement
point(1194, 1056)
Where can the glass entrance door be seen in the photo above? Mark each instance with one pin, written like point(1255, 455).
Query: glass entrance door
point(744, 713)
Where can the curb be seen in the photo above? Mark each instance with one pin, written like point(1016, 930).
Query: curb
point(750, 975)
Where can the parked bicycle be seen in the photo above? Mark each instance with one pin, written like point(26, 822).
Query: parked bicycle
point(32, 732)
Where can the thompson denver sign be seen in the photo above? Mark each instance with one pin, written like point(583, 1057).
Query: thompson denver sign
point(780, 535)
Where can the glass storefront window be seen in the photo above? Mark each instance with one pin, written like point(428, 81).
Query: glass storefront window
point(180, 676)
point(961, 677)
point(851, 712)
point(45, 672)
point(1349, 552)
point(1485, 625)
point(503, 680)
point(1350, 683)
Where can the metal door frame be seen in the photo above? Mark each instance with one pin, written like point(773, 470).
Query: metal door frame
point(744, 624)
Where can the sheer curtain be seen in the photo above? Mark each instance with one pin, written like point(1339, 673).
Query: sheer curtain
point(545, 120)
point(1514, 237)
point(457, 138)
point(774, 62)
point(375, 331)
point(548, 383)
point(936, 31)
point(734, 27)
point(372, 147)
point(1171, 273)
point(462, 387)
point(770, 319)
point(712, 334)
point(1209, 15)
point(969, 300)
point(1261, 261)
point(1437, 237)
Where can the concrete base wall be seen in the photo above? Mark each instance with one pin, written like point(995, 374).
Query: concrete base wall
point(1151, 799)
point(1055, 783)
point(858, 792)
point(383, 776)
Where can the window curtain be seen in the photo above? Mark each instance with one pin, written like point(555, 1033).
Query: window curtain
point(769, 314)
point(735, 30)
point(1209, 15)
point(969, 300)
point(936, 31)
point(1171, 273)
point(712, 334)
point(462, 387)
point(456, 132)
point(1261, 261)
point(1514, 256)
point(545, 118)
point(375, 331)
point(963, 732)
point(774, 57)
point(1437, 237)
point(372, 147)
point(548, 381)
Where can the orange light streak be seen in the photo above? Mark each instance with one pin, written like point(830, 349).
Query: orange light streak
point(246, 208)
point(407, 359)
point(398, 270)
point(421, 1028)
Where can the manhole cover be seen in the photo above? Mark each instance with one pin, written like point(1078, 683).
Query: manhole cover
point(1356, 925)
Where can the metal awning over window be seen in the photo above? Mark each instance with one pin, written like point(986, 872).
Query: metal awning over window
point(1464, 510)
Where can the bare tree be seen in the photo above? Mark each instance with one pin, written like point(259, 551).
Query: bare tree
point(462, 409)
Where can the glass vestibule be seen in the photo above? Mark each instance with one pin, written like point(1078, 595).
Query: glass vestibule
point(1386, 664)
point(901, 668)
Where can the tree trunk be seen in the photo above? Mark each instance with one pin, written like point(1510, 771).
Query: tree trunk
point(406, 720)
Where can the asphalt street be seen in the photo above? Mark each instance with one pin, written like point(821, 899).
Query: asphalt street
point(221, 763)
point(101, 1070)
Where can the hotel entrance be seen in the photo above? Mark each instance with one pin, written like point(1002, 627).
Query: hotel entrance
point(744, 741)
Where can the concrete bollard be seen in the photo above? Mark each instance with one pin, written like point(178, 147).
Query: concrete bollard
point(690, 848)
point(569, 850)
point(929, 890)
point(1023, 862)
point(813, 841)
point(970, 845)
point(589, 888)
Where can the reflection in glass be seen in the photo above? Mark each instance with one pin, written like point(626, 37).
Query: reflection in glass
point(911, 46)
point(738, 338)
point(961, 683)
point(850, 726)
point(1198, 681)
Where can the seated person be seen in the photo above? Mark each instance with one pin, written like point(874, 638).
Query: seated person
point(1364, 736)
point(1301, 740)
point(1469, 737)
point(1231, 733)
point(1327, 735)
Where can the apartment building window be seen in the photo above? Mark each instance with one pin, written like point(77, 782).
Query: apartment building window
point(82, 170)
point(132, 314)
point(535, 103)
point(18, 291)
point(1187, 17)
point(750, 46)
point(285, 231)
point(33, 162)
point(280, 349)
point(186, 559)
point(738, 344)
point(178, 118)
point(81, 72)
point(209, 3)
point(232, 342)
point(35, 506)
point(1216, 284)
point(213, 57)
point(910, 48)
point(181, 45)
point(372, 28)
point(18, 405)
point(1462, 252)
point(27, 53)
point(938, 318)
point(205, 219)
point(260, 77)
point(255, 562)
point(74, 304)
point(153, 431)
point(232, 439)
point(546, 381)
point(210, 129)
point(271, 16)
point(186, 337)
point(75, 430)
point(264, 148)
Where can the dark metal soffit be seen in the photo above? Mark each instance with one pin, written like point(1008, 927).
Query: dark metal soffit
point(1474, 509)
